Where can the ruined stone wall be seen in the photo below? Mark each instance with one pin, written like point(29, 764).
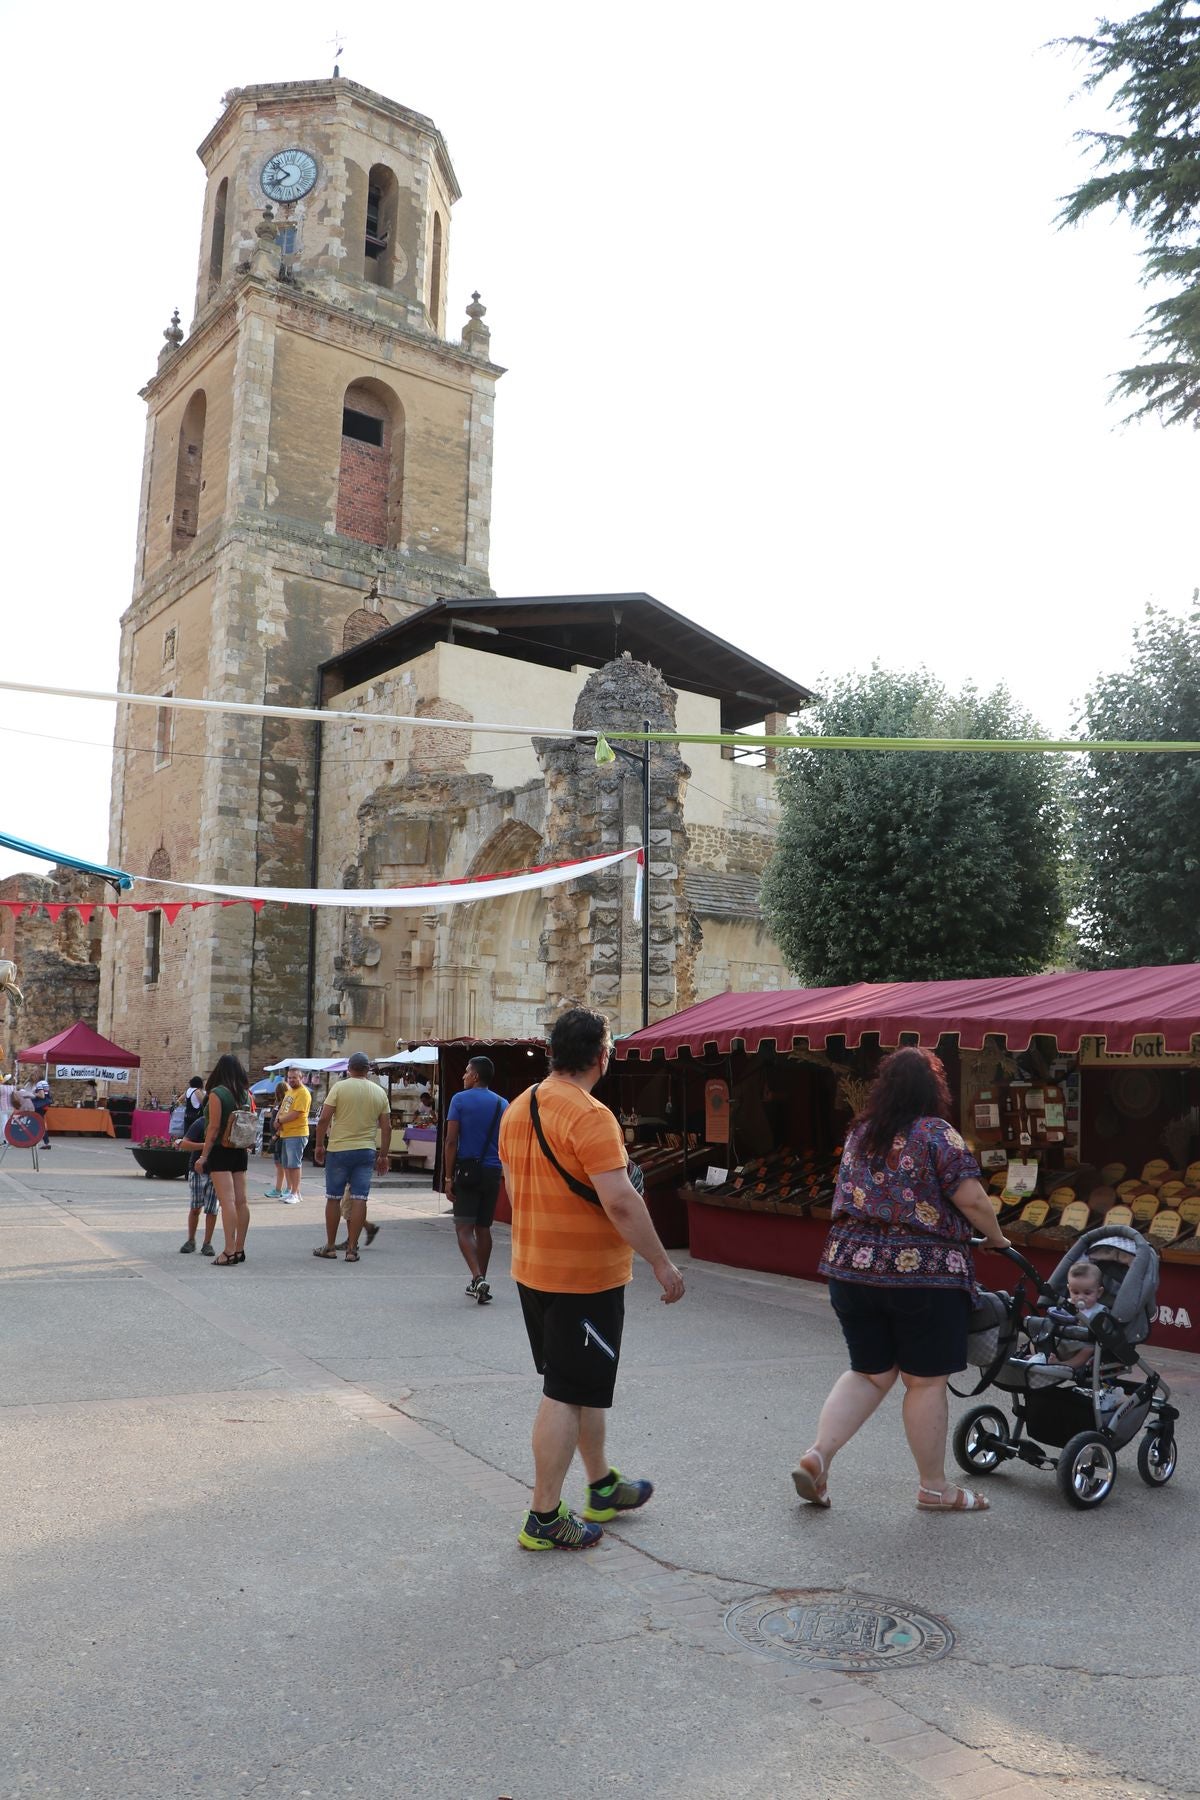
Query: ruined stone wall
point(729, 848)
point(591, 943)
point(57, 959)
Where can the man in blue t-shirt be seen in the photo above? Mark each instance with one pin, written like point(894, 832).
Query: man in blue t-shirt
point(472, 1177)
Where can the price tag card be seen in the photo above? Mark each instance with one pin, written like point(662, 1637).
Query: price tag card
point(716, 1177)
point(1022, 1177)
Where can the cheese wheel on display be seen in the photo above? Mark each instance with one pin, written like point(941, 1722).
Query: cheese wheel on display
point(1113, 1172)
point(1101, 1199)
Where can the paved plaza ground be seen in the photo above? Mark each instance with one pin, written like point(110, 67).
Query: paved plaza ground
point(261, 1540)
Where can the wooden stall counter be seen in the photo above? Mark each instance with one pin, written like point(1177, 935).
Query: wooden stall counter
point(79, 1121)
point(781, 1245)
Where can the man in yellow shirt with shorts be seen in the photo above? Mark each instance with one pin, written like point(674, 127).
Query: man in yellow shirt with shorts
point(354, 1120)
point(291, 1128)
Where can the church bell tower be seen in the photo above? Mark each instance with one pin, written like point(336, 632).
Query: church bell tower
point(317, 466)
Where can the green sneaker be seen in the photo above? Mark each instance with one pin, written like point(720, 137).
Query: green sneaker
point(566, 1532)
point(616, 1496)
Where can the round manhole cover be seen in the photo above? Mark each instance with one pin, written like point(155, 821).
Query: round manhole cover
point(851, 1632)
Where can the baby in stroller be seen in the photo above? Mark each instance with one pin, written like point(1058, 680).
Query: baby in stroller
point(1069, 1361)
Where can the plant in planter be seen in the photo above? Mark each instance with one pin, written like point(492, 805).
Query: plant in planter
point(160, 1160)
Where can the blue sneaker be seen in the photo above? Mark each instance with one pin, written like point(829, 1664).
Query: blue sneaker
point(566, 1532)
point(616, 1496)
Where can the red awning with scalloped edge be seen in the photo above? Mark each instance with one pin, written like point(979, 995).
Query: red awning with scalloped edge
point(1115, 1004)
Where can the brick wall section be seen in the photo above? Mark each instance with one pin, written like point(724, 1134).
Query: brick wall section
point(364, 475)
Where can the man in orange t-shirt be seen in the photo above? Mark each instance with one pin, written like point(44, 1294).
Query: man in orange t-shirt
point(576, 1221)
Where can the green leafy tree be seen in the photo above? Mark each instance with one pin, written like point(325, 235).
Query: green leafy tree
point(1151, 171)
point(1135, 817)
point(910, 865)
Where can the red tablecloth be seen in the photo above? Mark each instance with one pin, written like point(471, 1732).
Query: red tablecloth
point(146, 1124)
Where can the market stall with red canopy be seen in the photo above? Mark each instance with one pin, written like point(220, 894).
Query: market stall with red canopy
point(1117, 1005)
point(1116, 1050)
point(83, 1050)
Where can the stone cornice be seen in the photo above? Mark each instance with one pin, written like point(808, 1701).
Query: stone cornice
point(216, 327)
point(341, 91)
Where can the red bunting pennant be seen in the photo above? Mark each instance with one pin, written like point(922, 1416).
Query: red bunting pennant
point(54, 910)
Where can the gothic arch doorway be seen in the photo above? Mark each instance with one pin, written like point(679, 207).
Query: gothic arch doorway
point(495, 944)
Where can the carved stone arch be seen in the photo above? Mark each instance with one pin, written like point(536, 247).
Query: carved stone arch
point(513, 847)
point(495, 944)
point(361, 625)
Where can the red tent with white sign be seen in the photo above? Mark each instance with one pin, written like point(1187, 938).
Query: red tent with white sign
point(80, 1044)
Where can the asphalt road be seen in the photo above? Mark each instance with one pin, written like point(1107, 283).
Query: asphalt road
point(261, 1540)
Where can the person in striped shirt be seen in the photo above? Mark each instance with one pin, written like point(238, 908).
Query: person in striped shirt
point(577, 1221)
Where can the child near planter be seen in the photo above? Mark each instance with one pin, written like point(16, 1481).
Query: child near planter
point(203, 1196)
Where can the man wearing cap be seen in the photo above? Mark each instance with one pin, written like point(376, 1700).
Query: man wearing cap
point(354, 1134)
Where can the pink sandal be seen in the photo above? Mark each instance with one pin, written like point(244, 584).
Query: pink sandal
point(810, 1486)
point(955, 1499)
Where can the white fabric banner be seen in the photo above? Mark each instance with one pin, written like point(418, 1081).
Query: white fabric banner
point(444, 893)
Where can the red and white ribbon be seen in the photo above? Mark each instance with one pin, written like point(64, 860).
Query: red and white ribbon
point(428, 894)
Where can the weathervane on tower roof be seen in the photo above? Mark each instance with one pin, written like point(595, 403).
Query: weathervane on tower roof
point(338, 41)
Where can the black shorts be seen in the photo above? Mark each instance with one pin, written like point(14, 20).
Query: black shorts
point(475, 1199)
point(226, 1162)
point(576, 1343)
point(919, 1330)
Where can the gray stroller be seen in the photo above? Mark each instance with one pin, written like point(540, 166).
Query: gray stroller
point(1087, 1413)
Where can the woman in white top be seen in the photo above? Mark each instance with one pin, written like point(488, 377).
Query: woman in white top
point(6, 1099)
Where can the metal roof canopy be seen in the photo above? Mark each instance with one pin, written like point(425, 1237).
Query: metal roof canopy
point(560, 631)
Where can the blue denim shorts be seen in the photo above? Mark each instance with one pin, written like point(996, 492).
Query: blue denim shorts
point(291, 1152)
point(348, 1168)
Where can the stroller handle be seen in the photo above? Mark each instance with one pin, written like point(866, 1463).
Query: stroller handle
point(1014, 1256)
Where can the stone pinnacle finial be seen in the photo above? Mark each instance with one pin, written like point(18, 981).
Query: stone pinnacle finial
point(476, 336)
point(174, 337)
point(265, 260)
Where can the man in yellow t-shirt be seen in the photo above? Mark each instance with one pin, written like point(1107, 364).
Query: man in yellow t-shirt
point(356, 1122)
point(291, 1128)
point(577, 1220)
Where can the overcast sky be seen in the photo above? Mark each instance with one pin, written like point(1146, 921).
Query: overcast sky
point(792, 340)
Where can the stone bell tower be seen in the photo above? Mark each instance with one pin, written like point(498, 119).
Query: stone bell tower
point(317, 465)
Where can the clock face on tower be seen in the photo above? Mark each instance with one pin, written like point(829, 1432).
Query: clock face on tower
point(289, 175)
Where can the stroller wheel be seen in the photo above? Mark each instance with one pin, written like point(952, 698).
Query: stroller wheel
point(1156, 1458)
point(980, 1440)
point(1087, 1470)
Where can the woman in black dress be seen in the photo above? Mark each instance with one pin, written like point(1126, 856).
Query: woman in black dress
point(228, 1091)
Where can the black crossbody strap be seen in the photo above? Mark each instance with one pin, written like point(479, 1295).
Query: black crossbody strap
point(492, 1130)
point(576, 1186)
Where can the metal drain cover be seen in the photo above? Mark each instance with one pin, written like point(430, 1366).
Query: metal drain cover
point(830, 1630)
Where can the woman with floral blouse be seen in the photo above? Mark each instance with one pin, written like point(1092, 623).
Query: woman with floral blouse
point(901, 1278)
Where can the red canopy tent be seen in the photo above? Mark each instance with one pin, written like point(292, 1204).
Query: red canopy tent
point(1114, 1004)
point(80, 1045)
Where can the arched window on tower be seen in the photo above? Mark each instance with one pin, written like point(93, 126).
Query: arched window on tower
point(371, 470)
point(216, 254)
point(435, 276)
point(380, 242)
point(189, 479)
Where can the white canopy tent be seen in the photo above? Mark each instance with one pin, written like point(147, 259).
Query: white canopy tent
point(424, 1054)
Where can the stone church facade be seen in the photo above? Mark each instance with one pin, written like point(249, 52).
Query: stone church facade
point(317, 476)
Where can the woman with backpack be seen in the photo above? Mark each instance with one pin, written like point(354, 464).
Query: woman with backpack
point(228, 1134)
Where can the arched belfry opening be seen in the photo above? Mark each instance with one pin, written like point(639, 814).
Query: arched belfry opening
point(371, 466)
point(437, 254)
point(189, 472)
point(379, 243)
point(216, 251)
